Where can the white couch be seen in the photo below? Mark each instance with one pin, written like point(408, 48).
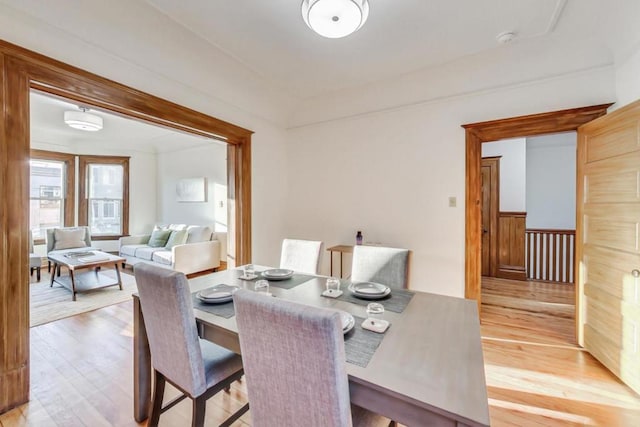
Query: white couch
point(203, 249)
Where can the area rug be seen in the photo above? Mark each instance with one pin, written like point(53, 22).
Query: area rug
point(49, 304)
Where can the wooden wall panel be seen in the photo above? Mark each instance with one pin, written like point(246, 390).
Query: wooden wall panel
point(511, 245)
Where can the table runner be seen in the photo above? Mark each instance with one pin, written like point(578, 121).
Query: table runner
point(360, 344)
point(397, 301)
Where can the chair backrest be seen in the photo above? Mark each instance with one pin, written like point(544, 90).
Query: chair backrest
point(294, 360)
point(51, 236)
point(168, 315)
point(302, 256)
point(388, 266)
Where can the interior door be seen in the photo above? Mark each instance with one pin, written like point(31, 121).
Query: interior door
point(489, 174)
point(608, 241)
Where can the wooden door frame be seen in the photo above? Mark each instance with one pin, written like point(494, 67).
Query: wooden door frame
point(494, 211)
point(21, 71)
point(494, 130)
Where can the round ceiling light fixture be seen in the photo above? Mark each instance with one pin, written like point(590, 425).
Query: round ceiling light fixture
point(335, 18)
point(83, 120)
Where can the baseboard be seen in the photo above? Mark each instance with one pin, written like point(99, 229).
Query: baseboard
point(511, 272)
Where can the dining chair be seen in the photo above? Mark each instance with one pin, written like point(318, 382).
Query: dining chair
point(196, 367)
point(388, 266)
point(295, 364)
point(302, 256)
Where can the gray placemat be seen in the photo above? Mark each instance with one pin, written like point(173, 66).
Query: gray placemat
point(225, 310)
point(397, 301)
point(295, 280)
point(360, 344)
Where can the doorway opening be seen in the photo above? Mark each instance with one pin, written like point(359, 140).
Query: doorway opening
point(528, 218)
point(24, 71)
point(132, 171)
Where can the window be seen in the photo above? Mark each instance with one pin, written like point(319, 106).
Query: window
point(50, 191)
point(104, 200)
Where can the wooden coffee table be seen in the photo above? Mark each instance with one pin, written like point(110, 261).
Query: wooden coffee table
point(85, 281)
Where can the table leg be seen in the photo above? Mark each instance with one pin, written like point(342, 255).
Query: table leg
point(53, 275)
point(73, 285)
point(118, 276)
point(141, 365)
point(331, 262)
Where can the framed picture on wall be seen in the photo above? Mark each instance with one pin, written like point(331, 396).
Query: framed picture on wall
point(191, 190)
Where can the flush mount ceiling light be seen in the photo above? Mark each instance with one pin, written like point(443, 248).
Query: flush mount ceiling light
point(83, 120)
point(335, 18)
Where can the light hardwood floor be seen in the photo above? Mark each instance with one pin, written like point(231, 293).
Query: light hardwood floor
point(81, 372)
point(536, 374)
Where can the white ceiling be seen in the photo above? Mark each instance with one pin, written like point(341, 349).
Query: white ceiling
point(400, 36)
point(48, 127)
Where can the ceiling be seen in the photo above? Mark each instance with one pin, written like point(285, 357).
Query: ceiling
point(48, 127)
point(400, 36)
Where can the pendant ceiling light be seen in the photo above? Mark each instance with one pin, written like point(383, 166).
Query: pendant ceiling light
point(83, 120)
point(335, 18)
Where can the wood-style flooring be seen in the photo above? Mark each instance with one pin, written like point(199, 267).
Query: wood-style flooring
point(81, 370)
point(536, 374)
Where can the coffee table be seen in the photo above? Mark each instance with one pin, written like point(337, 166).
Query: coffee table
point(85, 281)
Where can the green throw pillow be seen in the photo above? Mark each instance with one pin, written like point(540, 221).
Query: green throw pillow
point(177, 237)
point(159, 238)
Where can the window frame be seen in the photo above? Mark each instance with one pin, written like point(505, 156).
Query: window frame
point(69, 182)
point(83, 190)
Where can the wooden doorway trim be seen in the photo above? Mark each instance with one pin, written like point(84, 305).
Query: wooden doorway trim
point(494, 211)
point(21, 71)
point(475, 135)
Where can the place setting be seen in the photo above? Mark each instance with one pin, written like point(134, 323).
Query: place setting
point(216, 300)
point(279, 277)
point(362, 337)
point(361, 293)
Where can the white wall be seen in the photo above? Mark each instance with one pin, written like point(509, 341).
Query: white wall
point(627, 79)
point(390, 173)
point(209, 161)
point(551, 181)
point(513, 176)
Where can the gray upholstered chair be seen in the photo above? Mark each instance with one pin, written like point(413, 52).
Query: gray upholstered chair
point(68, 239)
point(295, 364)
point(388, 266)
point(302, 256)
point(35, 260)
point(198, 368)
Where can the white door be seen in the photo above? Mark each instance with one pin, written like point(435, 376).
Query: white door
point(608, 241)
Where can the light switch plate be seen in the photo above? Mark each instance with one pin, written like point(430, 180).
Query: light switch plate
point(452, 202)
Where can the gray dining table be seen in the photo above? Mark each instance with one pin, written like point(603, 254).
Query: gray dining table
point(428, 369)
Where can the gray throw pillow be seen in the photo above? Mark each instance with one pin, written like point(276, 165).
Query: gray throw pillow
point(69, 238)
point(177, 237)
point(159, 238)
point(197, 234)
